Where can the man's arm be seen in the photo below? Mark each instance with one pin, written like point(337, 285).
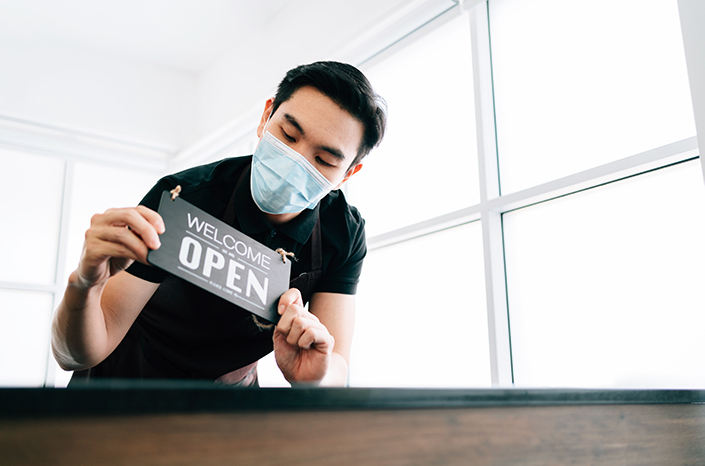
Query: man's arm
point(337, 313)
point(90, 323)
point(101, 302)
point(313, 348)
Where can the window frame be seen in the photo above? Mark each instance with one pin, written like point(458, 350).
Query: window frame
point(493, 204)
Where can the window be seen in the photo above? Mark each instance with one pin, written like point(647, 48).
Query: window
point(605, 286)
point(427, 163)
point(579, 84)
point(421, 318)
point(585, 211)
point(601, 278)
point(32, 203)
point(25, 317)
point(30, 236)
point(53, 198)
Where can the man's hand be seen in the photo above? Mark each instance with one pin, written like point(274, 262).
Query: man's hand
point(302, 344)
point(114, 240)
point(97, 311)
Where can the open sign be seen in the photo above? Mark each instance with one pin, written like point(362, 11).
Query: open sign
point(212, 255)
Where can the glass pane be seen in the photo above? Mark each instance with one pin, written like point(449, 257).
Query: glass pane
point(427, 163)
point(25, 320)
point(606, 286)
point(95, 189)
point(31, 205)
point(421, 314)
point(580, 84)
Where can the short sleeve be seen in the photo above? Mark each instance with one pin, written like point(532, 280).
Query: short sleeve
point(343, 272)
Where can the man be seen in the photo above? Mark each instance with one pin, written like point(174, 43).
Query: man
point(122, 318)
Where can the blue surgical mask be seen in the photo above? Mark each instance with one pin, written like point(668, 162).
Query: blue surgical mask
point(282, 180)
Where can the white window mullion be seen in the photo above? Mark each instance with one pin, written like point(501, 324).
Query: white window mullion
point(60, 277)
point(692, 14)
point(495, 283)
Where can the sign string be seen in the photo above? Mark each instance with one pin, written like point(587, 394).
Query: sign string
point(285, 254)
point(175, 192)
point(262, 326)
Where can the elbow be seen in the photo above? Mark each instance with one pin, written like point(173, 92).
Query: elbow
point(62, 359)
point(65, 359)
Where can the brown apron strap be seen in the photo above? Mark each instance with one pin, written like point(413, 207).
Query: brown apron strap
point(316, 247)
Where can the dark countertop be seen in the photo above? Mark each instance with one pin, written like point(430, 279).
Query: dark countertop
point(127, 397)
point(174, 423)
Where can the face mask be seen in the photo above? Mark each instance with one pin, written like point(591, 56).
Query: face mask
point(283, 181)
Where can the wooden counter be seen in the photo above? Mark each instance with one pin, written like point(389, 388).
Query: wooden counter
point(162, 423)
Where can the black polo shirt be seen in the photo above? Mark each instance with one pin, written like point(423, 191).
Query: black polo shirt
point(186, 332)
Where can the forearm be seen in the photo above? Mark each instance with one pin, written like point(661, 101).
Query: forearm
point(79, 335)
point(337, 374)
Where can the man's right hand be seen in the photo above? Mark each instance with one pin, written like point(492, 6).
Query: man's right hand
point(114, 240)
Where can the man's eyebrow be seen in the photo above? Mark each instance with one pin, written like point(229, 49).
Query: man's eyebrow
point(337, 153)
point(334, 152)
point(294, 123)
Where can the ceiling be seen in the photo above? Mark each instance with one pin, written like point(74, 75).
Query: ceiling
point(182, 35)
point(189, 35)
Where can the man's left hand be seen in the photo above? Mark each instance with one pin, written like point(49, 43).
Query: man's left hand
point(302, 344)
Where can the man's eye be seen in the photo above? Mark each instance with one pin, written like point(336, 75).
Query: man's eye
point(287, 137)
point(323, 162)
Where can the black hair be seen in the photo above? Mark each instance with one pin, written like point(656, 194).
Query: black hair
point(346, 86)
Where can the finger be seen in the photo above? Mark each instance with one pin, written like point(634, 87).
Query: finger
point(291, 312)
point(115, 216)
point(290, 305)
point(142, 227)
point(290, 296)
point(135, 220)
point(302, 324)
point(107, 241)
point(152, 217)
point(98, 250)
point(318, 339)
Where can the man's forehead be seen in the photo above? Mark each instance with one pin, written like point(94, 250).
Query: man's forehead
point(307, 96)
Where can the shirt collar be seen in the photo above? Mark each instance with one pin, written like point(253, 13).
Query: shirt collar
point(253, 221)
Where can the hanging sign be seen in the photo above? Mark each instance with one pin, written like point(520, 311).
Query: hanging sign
point(214, 256)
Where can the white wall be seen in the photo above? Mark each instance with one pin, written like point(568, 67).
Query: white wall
point(96, 93)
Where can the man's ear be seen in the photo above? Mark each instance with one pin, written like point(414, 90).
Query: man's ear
point(350, 173)
point(268, 105)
